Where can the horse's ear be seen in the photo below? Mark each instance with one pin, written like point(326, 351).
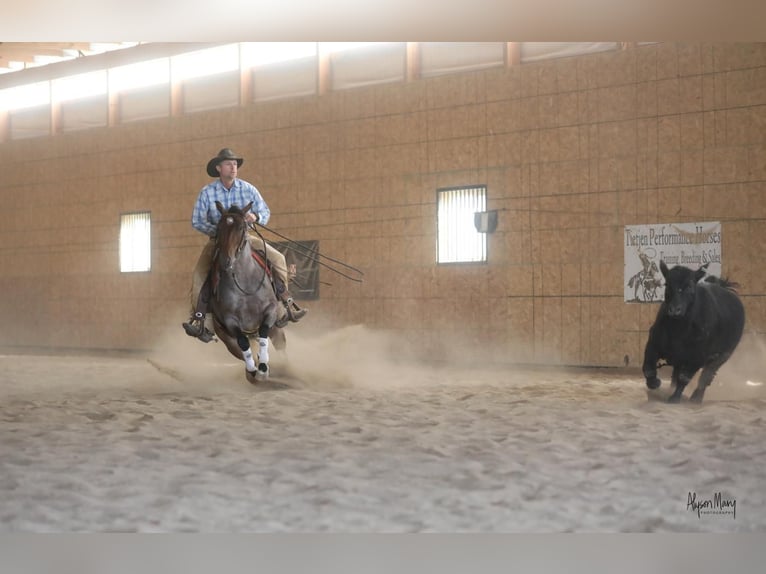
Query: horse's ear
point(219, 207)
point(247, 207)
point(701, 272)
point(664, 269)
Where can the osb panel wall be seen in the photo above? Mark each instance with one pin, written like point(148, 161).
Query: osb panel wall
point(571, 150)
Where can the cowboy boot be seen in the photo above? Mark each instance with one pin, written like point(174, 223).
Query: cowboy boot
point(294, 313)
point(196, 328)
point(196, 325)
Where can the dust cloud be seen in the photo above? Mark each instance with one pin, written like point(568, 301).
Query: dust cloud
point(343, 357)
point(743, 376)
point(329, 356)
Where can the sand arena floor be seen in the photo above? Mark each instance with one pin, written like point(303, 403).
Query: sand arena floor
point(343, 440)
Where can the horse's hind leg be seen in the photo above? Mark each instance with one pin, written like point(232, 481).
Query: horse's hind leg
point(278, 338)
point(706, 377)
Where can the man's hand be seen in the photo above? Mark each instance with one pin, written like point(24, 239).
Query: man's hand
point(251, 217)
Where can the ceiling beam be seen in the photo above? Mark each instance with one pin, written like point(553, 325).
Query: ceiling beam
point(101, 61)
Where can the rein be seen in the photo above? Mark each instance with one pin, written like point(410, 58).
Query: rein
point(313, 255)
point(242, 243)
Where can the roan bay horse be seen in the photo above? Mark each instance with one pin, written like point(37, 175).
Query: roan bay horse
point(243, 303)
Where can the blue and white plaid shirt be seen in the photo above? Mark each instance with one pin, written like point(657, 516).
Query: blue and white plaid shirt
point(205, 216)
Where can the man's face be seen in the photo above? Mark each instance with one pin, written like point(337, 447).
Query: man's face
point(228, 169)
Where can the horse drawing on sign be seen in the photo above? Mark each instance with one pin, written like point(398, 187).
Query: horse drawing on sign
point(244, 303)
point(698, 326)
point(646, 280)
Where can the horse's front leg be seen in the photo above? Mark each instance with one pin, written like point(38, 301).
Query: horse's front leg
point(254, 373)
point(263, 351)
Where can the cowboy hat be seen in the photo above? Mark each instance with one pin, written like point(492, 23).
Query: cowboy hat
point(224, 154)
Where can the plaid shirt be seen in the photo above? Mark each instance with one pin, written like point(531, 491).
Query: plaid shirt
point(205, 216)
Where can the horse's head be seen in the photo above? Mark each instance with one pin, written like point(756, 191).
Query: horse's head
point(231, 235)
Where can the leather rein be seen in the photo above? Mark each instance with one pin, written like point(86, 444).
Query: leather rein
point(244, 241)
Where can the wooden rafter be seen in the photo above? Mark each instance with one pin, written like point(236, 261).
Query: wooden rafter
point(25, 52)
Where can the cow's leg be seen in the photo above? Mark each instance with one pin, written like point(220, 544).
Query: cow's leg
point(651, 358)
point(681, 378)
point(706, 376)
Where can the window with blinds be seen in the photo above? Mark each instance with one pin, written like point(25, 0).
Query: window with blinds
point(135, 242)
point(458, 241)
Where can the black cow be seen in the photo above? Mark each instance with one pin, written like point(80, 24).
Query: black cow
point(697, 327)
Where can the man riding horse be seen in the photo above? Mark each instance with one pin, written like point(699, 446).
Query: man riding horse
point(229, 190)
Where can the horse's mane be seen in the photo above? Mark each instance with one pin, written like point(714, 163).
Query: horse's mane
point(236, 209)
point(233, 210)
point(225, 234)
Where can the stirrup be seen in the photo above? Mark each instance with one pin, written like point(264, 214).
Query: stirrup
point(294, 313)
point(196, 328)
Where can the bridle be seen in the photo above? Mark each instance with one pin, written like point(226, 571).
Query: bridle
point(243, 241)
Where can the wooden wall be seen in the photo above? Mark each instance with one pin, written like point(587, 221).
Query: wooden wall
point(571, 150)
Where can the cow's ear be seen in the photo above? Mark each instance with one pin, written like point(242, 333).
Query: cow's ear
point(664, 269)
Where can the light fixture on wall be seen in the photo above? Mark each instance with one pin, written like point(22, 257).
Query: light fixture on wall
point(485, 221)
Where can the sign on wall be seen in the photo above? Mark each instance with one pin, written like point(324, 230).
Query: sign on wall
point(688, 244)
point(302, 258)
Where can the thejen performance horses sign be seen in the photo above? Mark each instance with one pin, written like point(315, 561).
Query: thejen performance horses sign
point(688, 244)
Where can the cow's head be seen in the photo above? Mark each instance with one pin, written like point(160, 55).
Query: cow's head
point(680, 288)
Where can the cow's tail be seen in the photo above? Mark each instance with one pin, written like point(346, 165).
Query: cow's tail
point(723, 282)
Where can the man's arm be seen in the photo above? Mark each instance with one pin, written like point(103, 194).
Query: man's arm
point(260, 209)
point(199, 219)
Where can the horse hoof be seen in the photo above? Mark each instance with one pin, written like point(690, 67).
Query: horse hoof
point(263, 372)
point(673, 399)
point(260, 374)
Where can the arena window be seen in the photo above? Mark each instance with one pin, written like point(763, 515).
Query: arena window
point(135, 242)
point(458, 241)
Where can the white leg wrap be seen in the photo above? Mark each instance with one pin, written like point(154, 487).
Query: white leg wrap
point(249, 362)
point(263, 350)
